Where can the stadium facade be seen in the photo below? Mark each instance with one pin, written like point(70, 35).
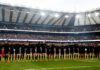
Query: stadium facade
point(33, 34)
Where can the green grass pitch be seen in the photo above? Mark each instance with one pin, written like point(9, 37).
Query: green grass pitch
point(52, 65)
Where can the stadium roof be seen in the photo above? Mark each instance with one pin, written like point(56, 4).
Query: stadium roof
point(57, 5)
point(24, 15)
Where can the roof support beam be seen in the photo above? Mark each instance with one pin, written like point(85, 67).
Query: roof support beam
point(11, 13)
point(57, 20)
point(18, 16)
point(94, 20)
point(89, 20)
point(64, 21)
point(32, 19)
point(25, 17)
point(44, 20)
point(85, 19)
point(78, 22)
point(50, 21)
point(3, 14)
point(37, 20)
point(72, 21)
point(99, 17)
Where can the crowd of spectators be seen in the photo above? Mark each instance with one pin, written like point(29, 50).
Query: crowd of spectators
point(52, 29)
point(33, 36)
point(48, 36)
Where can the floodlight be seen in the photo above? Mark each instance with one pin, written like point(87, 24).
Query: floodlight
point(43, 14)
point(77, 16)
point(56, 15)
point(27, 12)
point(89, 15)
point(97, 14)
point(66, 16)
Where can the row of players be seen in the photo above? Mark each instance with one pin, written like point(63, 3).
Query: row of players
point(41, 52)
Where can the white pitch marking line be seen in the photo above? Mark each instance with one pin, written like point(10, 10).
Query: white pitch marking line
point(64, 67)
point(87, 60)
point(30, 69)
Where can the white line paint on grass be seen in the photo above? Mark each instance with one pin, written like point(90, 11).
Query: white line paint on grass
point(64, 67)
point(87, 60)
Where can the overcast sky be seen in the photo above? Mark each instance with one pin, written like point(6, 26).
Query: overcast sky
point(58, 5)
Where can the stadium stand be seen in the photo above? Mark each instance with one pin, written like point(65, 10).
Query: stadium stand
point(26, 35)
